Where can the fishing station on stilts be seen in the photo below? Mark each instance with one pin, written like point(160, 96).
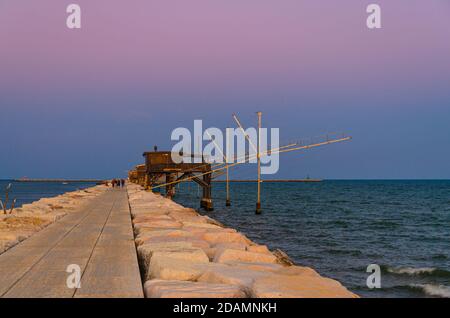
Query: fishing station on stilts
point(161, 170)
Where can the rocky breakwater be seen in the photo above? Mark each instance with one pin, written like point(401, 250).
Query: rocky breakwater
point(33, 217)
point(185, 255)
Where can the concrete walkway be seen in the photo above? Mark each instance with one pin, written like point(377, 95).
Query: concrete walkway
point(98, 238)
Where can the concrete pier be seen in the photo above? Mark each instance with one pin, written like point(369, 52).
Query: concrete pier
point(98, 238)
point(131, 242)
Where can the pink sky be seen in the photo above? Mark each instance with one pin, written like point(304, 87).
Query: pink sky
point(219, 45)
point(148, 66)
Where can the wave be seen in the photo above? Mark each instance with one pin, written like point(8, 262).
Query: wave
point(419, 290)
point(440, 256)
point(411, 270)
point(384, 224)
point(338, 201)
point(343, 252)
point(433, 290)
point(419, 271)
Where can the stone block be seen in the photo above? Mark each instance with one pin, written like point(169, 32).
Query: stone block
point(217, 237)
point(231, 255)
point(183, 289)
point(288, 286)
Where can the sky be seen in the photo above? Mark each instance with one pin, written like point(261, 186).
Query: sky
point(87, 103)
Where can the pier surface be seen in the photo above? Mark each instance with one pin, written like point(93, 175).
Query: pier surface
point(98, 238)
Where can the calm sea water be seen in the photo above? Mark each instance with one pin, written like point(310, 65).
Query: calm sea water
point(340, 227)
point(27, 192)
point(336, 227)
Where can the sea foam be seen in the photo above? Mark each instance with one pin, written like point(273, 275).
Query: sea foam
point(433, 290)
point(411, 270)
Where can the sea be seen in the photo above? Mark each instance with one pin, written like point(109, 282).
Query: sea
point(340, 227)
point(337, 227)
point(27, 192)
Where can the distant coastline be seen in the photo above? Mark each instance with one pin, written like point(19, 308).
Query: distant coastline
point(274, 180)
point(102, 180)
point(57, 180)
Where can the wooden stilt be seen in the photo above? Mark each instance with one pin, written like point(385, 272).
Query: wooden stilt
point(258, 202)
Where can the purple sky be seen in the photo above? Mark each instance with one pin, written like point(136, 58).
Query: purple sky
point(87, 103)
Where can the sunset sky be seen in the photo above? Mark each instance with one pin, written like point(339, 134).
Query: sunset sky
point(87, 103)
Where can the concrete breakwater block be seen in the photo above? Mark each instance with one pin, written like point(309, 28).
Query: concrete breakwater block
point(146, 211)
point(265, 267)
point(297, 271)
point(158, 224)
point(233, 255)
point(298, 286)
point(232, 275)
point(145, 251)
point(144, 218)
point(179, 250)
point(230, 245)
point(186, 214)
point(200, 230)
point(258, 249)
point(225, 237)
point(191, 254)
point(146, 236)
point(182, 289)
point(176, 269)
point(201, 224)
point(195, 242)
point(173, 269)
